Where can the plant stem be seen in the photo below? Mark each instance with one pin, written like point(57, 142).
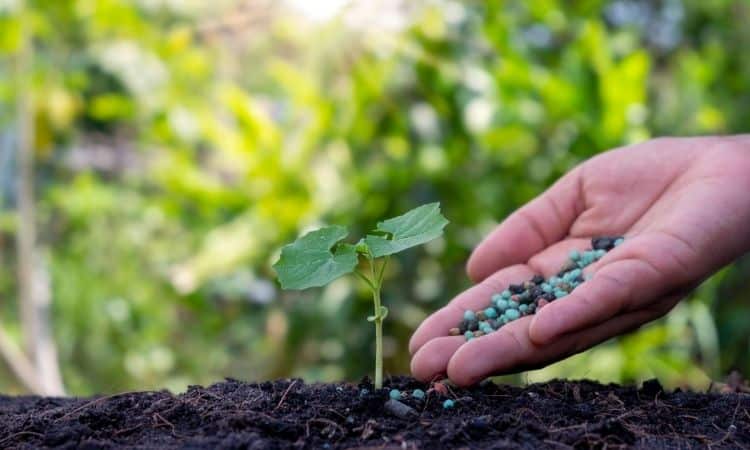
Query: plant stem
point(366, 280)
point(375, 283)
point(378, 339)
point(382, 270)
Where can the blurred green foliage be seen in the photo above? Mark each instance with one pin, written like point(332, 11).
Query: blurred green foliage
point(178, 146)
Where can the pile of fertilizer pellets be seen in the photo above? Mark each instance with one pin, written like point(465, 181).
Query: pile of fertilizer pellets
point(524, 299)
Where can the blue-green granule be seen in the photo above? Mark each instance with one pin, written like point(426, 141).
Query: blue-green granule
point(512, 314)
point(395, 394)
point(448, 404)
point(418, 394)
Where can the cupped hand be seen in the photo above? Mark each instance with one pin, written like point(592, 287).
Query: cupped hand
point(683, 205)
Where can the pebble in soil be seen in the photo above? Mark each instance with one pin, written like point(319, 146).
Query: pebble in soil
point(527, 298)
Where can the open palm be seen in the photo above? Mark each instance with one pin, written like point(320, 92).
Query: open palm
point(683, 205)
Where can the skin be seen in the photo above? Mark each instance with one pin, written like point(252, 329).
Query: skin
point(683, 205)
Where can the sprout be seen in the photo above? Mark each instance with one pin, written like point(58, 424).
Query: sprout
point(319, 257)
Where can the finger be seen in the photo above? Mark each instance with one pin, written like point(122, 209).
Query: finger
point(432, 358)
point(627, 278)
point(510, 350)
point(535, 226)
point(474, 298)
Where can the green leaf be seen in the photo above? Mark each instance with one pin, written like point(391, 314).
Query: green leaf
point(309, 262)
point(383, 314)
point(416, 227)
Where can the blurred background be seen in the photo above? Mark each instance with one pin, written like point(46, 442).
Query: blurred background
point(155, 154)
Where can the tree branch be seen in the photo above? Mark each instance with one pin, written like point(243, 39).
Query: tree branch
point(25, 232)
point(19, 364)
point(33, 282)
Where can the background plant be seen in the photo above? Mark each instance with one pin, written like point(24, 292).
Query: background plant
point(176, 148)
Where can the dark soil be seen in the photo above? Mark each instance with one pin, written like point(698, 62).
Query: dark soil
point(291, 414)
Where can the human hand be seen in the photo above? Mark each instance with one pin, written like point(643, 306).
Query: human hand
point(683, 205)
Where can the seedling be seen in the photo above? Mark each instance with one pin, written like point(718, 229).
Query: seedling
point(320, 256)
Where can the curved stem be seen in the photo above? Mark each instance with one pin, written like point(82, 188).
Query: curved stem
point(382, 270)
point(365, 279)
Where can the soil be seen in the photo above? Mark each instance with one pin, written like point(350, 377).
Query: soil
point(291, 414)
